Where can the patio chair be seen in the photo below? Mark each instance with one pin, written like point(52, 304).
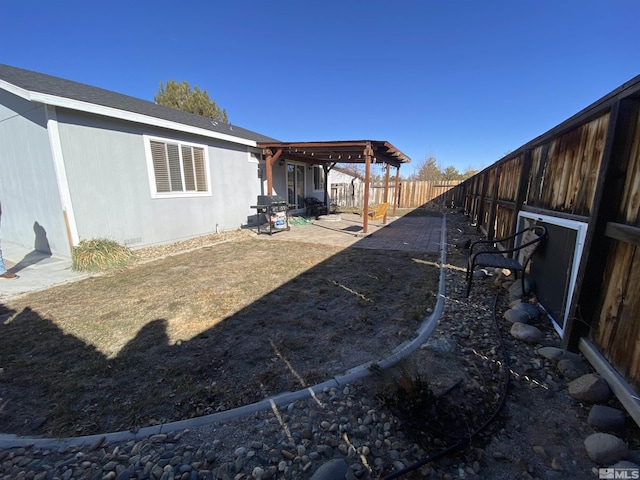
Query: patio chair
point(376, 212)
point(315, 207)
point(484, 253)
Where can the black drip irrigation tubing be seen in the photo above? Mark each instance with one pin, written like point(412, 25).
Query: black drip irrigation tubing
point(468, 439)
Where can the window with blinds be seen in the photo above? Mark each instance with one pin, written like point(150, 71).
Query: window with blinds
point(178, 167)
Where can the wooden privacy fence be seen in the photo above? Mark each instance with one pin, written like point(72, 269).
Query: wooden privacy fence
point(411, 194)
point(585, 171)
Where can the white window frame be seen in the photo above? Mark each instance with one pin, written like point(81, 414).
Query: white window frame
point(152, 174)
point(581, 235)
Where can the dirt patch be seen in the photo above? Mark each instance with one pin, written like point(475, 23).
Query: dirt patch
point(204, 331)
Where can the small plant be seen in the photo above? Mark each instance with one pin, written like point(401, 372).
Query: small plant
point(405, 388)
point(99, 255)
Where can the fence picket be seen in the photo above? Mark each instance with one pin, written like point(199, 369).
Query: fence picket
point(413, 194)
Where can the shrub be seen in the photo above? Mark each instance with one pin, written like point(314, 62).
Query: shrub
point(99, 255)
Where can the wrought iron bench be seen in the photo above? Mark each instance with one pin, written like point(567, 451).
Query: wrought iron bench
point(484, 253)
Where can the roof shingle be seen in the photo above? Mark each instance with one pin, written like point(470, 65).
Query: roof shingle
point(60, 87)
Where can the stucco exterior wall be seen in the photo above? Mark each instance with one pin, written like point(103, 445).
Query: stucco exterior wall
point(32, 213)
point(108, 176)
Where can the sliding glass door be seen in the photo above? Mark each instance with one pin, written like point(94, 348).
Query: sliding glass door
point(295, 185)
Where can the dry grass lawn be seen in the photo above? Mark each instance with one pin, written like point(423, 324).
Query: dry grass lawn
point(203, 331)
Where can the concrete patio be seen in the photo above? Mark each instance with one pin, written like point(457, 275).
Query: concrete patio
point(421, 234)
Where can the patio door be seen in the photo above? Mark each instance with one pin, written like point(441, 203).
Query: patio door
point(295, 185)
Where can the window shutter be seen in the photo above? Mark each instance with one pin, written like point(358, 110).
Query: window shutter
point(201, 171)
point(189, 173)
point(178, 167)
point(160, 168)
point(175, 172)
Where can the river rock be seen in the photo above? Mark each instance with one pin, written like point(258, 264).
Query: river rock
point(590, 388)
point(526, 333)
point(514, 315)
point(606, 419)
point(336, 469)
point(625, 464)
point(531, 310)
point(515, 290)
point(605, 449)
point(481, 273)
point(441, 345)
point(557, 354)
point(571, 368)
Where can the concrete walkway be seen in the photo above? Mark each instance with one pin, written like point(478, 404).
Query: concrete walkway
point(37, 271)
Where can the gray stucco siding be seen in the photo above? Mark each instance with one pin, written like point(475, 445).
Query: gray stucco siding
point(32, 210)
point(108, 174)
point(235, 186)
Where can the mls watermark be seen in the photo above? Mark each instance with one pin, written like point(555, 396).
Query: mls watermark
point(628, 473)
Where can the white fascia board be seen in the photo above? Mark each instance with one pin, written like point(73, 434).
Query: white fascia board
point(135, 117)
point(11, 88)
point(63, 102)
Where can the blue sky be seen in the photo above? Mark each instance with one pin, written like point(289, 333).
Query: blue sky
point(463, 81)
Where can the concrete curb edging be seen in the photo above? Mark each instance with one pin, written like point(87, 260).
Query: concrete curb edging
point(355, 373)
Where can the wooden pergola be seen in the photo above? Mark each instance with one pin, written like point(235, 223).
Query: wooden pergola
point(329, 154)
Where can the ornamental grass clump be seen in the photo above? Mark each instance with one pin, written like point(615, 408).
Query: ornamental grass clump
point(99, 255)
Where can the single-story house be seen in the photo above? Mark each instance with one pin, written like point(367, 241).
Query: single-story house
point(79, 162)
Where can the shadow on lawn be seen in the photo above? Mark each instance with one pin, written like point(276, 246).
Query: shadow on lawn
point(149, 382)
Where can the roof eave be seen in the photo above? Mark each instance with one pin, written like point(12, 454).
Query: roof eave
point(64, 102)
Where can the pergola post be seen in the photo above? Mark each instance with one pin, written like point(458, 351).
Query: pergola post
point(270, 159)
point(368, 153)
point(396, 196)
point(326, 168)
point(386, 191)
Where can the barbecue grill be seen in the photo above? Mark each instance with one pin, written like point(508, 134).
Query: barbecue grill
point(275, 211)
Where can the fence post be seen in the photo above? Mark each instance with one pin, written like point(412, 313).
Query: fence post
point(544, 158)
point(386, 191)
point(589, 281)
point(396, 193)
point(491, 229)
point(523, 182)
